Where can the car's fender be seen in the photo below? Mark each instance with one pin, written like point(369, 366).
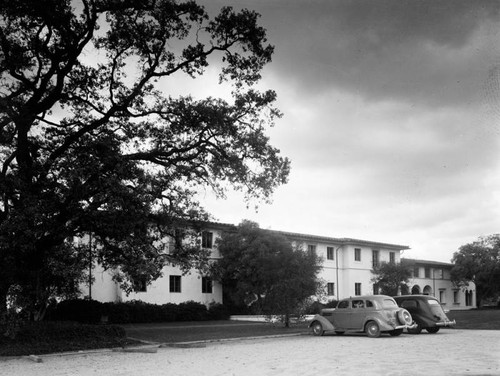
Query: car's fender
point(327, 325)
point(382, 325)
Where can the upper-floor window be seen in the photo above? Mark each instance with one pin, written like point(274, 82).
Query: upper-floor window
point(311, 249)
point(427, 272)
point(207, 238)
point(416, 272)
point(392, 257)
point(329, 253)
point(375, 258)
point(357, 254)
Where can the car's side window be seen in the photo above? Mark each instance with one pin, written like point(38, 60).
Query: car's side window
point(343, 304)
point(358, 304)
point(369, 304)
point(409, 304)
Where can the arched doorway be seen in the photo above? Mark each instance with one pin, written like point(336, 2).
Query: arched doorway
point(415, 290)
point(427, 290)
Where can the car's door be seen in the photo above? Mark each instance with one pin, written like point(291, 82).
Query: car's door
point(358, 314)
point(341, 314)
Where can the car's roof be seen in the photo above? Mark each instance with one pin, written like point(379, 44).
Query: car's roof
point(415, 297)
point(373, 297)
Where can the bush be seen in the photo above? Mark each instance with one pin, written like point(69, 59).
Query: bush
point(83, 311)
point(90, 311)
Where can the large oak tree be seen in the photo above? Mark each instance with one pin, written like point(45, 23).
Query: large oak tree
point(91, 141)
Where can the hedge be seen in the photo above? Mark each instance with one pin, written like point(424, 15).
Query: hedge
point(91, 311)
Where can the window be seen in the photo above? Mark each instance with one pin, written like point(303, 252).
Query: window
point(392, 258)
point(427, 272)
point(456, 297)
point(329, 253)
point(439, 274)
point(207, 239)
point(358, 304)
point(468, 298)
point(442, 296)
point(175, 283)
point(206, 285)
point(375, 258)
point(311, 249)
point(330, 288)
point(357, 254)
point(343, 304)
point(416, 272)
point(140, 284)
point(357, 288)
point(376, 289)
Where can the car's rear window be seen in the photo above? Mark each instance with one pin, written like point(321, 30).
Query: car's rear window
point(433, 302)
point(389, 303)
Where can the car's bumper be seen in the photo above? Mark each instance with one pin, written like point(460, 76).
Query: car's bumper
point(446, 323)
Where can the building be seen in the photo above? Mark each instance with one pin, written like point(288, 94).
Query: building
point(346, 271)
point(433, 278)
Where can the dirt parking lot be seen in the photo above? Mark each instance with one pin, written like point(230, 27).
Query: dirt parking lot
point(449, 352)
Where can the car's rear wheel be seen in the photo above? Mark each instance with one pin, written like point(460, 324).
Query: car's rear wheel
point(372, 329)
point(404, 317)
point(415, 330)
point(317, 328)
point(433, 330)
point(396, 332)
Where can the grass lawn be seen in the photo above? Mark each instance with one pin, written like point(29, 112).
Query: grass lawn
point(477, 319)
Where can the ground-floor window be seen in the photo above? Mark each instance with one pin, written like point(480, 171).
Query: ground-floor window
point(376, 289)
point(175, 283)
point(140, 284)
point(330, 288)
point(468, 298)
point(357, 288)
point(456, 297)
point(442, 296)
point(206, 285)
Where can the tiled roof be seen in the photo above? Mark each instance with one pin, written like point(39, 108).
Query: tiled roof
point(425, 262)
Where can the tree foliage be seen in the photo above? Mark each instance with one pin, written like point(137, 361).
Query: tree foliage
point(91, 141)
point(479, 262)
point(391, 278)
point(263, 269)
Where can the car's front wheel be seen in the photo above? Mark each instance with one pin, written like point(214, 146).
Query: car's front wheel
point(433, 330)
point(317, 328)
point(372, 329)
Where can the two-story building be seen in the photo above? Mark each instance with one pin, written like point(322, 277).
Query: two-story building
point(346, 271)
point(433, 278)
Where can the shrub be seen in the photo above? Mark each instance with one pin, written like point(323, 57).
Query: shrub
point(192, 311)
point(218, 311)
point(84, 311)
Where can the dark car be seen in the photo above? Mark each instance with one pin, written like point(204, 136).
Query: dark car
point(371, 314)
point(426, 311)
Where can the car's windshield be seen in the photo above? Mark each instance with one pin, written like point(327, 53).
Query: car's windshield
point(389, 303)
point(433, 302)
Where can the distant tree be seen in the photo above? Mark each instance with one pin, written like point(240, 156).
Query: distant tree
point(263, 269)
point(93, 142)
point(391, 277)
point(479, 262)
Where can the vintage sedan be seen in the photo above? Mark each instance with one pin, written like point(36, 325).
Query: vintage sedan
point(426, 311)
point(371, 314)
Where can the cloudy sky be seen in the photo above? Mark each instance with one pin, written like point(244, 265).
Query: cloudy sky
point(391, 121)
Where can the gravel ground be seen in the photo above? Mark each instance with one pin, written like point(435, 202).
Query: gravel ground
point(449, 352)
